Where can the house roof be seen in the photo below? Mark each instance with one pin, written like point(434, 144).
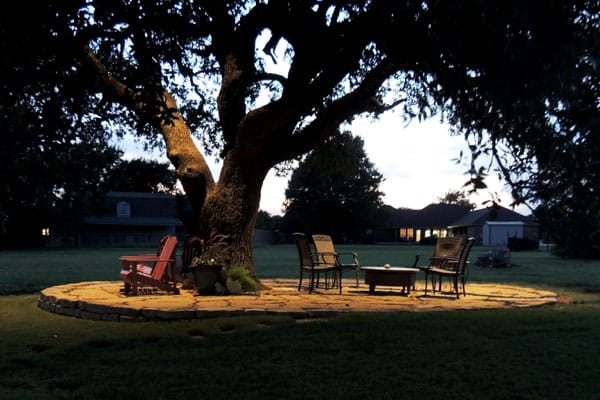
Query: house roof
point(450, 215)
point(139, 195)
point(498, 213)
point(396, 216)
point(133, 221)
point(145, 209)
point(432, 216)
point(440, 215)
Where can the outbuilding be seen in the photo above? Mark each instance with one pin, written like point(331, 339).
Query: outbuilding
point(495, 226)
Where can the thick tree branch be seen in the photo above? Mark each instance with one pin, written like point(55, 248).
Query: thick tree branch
point(190, 164)
point(361, 100)
point(112, 88)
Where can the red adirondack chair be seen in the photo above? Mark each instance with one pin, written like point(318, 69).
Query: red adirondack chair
point(158, 270)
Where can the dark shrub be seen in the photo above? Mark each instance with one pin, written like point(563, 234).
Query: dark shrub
point(520, 244)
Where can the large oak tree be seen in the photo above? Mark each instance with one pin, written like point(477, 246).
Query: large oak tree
point(263, 82)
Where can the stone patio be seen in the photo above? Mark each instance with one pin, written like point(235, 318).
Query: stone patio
point(104, 301)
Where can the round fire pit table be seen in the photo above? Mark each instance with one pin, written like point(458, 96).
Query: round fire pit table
point(390, 276)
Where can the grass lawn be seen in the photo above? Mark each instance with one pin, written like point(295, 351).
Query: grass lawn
point(550, 352)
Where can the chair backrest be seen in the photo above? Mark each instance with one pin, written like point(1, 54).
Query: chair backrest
point(448, 246)
point(167, 252)
point(324, 245)
point(161, 244)
point(192, 247)
point(304, 252)
point(464, 255)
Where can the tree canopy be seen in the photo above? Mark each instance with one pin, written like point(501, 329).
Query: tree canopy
point(335, 189)
point(263, 82)
point(456, 197)
point(140, 175)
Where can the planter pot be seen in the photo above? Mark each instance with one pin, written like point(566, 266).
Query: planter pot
point(205, 278)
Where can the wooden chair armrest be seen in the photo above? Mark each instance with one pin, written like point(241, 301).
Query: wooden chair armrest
point(139, 257)
point(146, 258)
point(130, 263)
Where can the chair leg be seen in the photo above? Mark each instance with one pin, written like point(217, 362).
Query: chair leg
point(331, 279)
point(335, 279)
point(357, 275)
point(300, 282)
point(456, 286)
point(312, 282)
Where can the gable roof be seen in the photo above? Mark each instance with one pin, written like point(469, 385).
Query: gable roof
point(145, 209)
point(432, 216)
point(133, 221)
point(440, 215)
point(497, 213)
point(139, 195)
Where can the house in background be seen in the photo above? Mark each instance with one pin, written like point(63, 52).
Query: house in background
point(131, 218)
point(494, 226)
point(491, 226)
point(406, 225)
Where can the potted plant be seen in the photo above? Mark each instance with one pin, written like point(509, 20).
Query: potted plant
point(208, 268)
point(207, 272)
point(212, 274)
point(238, 279)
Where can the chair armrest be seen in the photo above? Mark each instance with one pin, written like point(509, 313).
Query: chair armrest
point(417, 257)
point(349, 253)
point(445, 258)
point(139, 257)
point(319, 257)
point(449, 263)
point(142, 258)
point(130, 263)
point(446, 262)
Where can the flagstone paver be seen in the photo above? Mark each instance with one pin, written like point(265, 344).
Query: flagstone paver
point(104, 301)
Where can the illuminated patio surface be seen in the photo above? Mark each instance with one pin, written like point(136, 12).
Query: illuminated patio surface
point(104, 301)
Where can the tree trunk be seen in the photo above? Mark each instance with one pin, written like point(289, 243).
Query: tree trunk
point(232, 205)
point(228, 207)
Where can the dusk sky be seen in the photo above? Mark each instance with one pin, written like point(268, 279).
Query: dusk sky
point(416, 161)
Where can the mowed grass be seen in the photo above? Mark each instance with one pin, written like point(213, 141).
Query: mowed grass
point(550, 352)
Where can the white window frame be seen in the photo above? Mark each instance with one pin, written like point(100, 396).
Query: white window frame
point(123, 209)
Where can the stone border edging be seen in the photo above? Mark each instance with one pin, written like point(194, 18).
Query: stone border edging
point(103, 301)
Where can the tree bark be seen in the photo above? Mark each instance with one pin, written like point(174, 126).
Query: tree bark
point(190, 165)
point(231, 207)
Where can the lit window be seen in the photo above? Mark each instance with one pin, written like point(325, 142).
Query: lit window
point(440, 233)
point(45, 231)
point(123, 209)
point(407, 234)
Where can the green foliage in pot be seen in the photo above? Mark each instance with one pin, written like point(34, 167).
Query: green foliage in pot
point(239, 280)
